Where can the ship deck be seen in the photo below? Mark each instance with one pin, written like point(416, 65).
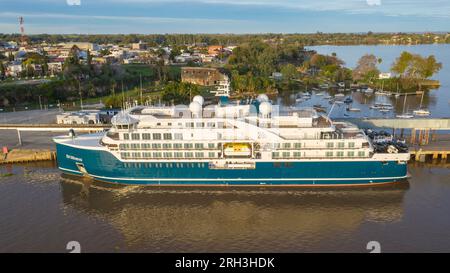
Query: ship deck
point(88, 140)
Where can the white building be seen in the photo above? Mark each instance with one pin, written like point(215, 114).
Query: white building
point(81, 117)
point(384, 75)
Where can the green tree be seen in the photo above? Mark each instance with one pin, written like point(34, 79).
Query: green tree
point(289, 72)
point(366, 68)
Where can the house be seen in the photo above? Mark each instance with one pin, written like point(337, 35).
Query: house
point(138, 46)
point(81, 46)
point(215, 50)
point(54, 67)
point(386, 75)
point(14, 70)
point(202, 75)
point(277, 76)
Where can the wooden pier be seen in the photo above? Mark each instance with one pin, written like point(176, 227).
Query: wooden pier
point(25, 156)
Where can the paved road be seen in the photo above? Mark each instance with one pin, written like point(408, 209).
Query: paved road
point(30, 116)
point(30, 140)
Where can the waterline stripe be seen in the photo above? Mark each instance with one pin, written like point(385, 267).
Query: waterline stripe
point(239, 179)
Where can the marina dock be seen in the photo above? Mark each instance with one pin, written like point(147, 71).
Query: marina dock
point(26, 155)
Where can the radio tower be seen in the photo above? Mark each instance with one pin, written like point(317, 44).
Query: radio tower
point(23, 38)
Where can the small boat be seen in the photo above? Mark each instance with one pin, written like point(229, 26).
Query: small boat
point(353, 109)
point(387, 106)
point(320, 94)
point(299, 100)
point(327, 97)
point(368, 90)
point(339, 102)
point(421, 112)
point(348, 100)
point(404, 116)
point(339, 95)
point(381, 93)
point(384, 110)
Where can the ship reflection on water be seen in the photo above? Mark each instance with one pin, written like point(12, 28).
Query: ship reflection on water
point(164, 219)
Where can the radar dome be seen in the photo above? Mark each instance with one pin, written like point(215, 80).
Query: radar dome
point(195, 107)
point(199, 99)
point(262, 98)
point(265, 108)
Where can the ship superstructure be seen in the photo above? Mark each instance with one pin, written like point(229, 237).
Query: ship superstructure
point(251, 143)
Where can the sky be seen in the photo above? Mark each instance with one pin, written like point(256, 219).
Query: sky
point(223, 16)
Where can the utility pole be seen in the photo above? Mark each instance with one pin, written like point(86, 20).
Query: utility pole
point(123, 98)
point(140, 80)
point(40, 102)
point(81, 96)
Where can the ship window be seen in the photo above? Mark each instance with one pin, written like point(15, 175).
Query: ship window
point(340, 154)
point(211, 154)
point(188, 145)
point(167, 146)
point(211, 145)
point(157, 155)
point(198, 145)
point(145, 146)
point(122, 146)
point(135, 136)
point(341, 144)
point(126, 136)
point(297, 145)
point(275, 154)
point(135, 146)
point(199, 155)
point(167, 136)
point(286, 145)
point(167, 154)
point(351, 154)
point(329, 154)
point(178, 136)
point(125, 155)
point(124, 126)
point(361, 153)
point(297, 154)
point(286, 154)
point(156, 146)
point(146, 136)
point(136, 155)
point(147, 155)
point(211, 124)
point(189, 154)
point(351, 144)
point(200, 124)
point(177, 145)
point(178, 154)
point(330, 144)
point(156, 136)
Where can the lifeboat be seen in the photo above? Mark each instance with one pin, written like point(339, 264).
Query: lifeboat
point(237, 150)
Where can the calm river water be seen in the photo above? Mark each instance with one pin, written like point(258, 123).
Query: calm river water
point(40, 210)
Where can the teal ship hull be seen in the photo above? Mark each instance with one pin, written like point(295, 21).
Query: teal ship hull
point(103, 166)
